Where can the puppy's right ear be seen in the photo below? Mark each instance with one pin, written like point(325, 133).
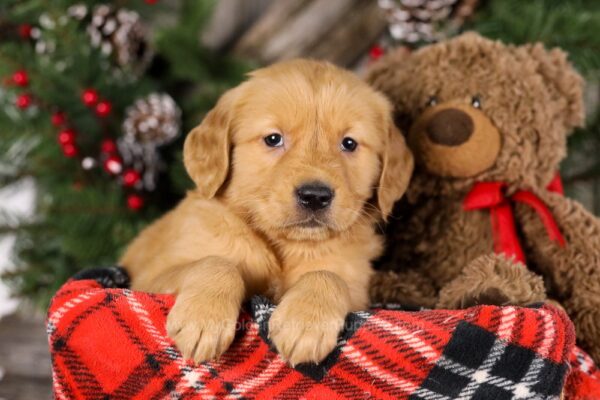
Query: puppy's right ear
point(206, 149)
point(397, 169)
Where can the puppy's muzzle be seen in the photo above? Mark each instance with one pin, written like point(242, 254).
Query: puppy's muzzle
point(315, 196)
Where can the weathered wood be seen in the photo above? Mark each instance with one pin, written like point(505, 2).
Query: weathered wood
point(230, 19)
point(25, 367)
point(334, 30)
point(306, 29)
point(16, 387)
point(273, 20)
point(24, 347)
point(351, 38)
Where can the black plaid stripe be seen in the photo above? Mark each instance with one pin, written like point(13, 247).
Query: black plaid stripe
point(108, 277)
point(148, 368)
point(260, 308)
point(476, 365)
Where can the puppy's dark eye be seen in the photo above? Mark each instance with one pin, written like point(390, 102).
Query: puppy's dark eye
point(273, 140)
point(348, 144)
point(432, 101)
point(476, 102)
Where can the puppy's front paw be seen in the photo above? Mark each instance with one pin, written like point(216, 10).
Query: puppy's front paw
point(304, 332)
point(201, 329)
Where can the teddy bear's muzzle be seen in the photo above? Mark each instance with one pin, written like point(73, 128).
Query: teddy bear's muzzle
point(450, 127)
point(454, 139)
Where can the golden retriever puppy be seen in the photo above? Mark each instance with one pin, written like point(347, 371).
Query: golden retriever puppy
point(293, 169)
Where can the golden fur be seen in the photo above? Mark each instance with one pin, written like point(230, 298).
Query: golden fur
point(240, 232)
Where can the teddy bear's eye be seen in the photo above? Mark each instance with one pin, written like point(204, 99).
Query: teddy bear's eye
point(432, 101)
point(476, 102)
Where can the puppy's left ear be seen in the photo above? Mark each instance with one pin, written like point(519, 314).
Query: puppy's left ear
point(207, 146)
point(396, 172)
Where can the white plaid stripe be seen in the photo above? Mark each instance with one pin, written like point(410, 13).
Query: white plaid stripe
point(507, 323)
point(530, 379)
point(549, 331)
point(408, 337)
point(268, 373)
point(584, 362)
point(192, 377)
point(532, 376)
point(261, 312)
point(58, 314)
point(482, 374)
point(58, 389)
point(357, 357)
point(427, 394)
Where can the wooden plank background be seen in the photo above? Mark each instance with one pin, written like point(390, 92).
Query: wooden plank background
point(24, 358)
point(340, 31)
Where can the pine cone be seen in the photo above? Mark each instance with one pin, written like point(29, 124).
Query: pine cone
point(413, 21)
point(152, 120)
point(120, 33)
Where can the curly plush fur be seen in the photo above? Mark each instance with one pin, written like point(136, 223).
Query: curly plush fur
point(441, 254)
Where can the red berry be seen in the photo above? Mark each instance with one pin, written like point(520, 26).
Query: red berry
point(108, 146)
point(135, 202)
point(113, 165)
point(66, 137)
point(70, 150)
point(131, 177)
point(376, 52)
point(58, 118)
point(23, 101)
point(25, 31)
point(89, 97)
point(103, 108)
point(151, 2)
point(20, 78)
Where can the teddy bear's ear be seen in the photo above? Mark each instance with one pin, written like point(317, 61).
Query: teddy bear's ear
point(562, 79)
point(387, 69)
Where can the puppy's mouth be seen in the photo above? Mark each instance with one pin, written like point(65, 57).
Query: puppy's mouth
point(311, 222)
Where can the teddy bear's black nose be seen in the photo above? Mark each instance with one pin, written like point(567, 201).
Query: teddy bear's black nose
point(450, 127)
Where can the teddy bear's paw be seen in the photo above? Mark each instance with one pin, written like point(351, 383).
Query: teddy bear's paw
point(405, 287)
point(494, 280)
point(584, 311)
point(456, 299)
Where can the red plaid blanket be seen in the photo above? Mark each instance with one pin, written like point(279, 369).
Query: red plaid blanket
point(110, 343)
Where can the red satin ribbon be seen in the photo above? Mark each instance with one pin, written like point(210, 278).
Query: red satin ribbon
point(490, 195)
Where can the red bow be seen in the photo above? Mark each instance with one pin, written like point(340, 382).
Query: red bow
point(491, 195)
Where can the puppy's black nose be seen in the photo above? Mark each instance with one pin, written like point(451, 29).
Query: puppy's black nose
point(314, 196)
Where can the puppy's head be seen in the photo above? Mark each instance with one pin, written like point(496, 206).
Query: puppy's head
point(302, 150)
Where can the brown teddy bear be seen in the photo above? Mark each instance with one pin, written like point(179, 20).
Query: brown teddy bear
point(488, 123)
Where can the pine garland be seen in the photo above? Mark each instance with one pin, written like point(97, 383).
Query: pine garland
point(572, 25)
point(81, 217)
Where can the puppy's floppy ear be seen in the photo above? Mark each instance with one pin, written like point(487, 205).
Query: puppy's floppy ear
point(396, 171)
point(206, 149)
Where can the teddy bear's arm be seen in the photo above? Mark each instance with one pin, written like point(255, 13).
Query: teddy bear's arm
point(574, 269)
point(406, 287)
